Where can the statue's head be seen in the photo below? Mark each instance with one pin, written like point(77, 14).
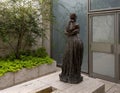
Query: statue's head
point(73, 16)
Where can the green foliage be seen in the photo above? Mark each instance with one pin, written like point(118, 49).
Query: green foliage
point(22, 21)
point(40, 52)
point(25, 62)
point(28, 59)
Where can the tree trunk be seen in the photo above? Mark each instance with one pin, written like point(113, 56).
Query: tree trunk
point(18, 47)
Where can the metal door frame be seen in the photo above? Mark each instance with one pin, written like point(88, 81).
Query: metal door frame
point(116, 37)
point(118, 45)
point(116, 12)
point(101, 10)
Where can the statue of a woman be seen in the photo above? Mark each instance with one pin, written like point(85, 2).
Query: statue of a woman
point(72, 60)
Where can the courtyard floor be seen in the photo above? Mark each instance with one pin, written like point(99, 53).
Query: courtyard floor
point(53, 79)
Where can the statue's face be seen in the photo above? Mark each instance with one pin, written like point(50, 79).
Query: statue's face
point(73, 16)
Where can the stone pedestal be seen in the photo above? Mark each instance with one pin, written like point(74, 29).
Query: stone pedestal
point(52, 83)
point(88, 85)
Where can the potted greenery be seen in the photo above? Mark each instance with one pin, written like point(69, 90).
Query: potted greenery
point(32, 64)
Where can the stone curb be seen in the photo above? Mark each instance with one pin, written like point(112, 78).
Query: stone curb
point(11, 79)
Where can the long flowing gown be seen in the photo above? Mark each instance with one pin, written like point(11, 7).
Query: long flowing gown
point(72, 60)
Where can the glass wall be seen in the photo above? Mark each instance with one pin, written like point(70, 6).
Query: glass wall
point(103, 29)
point(104, 4)
point(103, 33)
point(104, 39)
point(104, 64)
point(61, 11)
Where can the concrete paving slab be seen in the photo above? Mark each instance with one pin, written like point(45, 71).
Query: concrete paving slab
point(108, 84)
point(88, 85)
point(114, 89)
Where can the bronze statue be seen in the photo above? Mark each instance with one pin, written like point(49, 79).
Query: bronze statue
point(72, 60)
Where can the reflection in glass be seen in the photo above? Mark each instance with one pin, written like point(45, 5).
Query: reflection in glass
point(104, 4)
point(103, 64)
point(103, 28)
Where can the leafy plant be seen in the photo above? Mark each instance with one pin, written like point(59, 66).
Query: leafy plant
point(25, 62)
point(40, 52)
point(22, 21)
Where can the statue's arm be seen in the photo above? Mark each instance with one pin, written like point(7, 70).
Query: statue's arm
point(76, 30)
point(68, 27)
point(66, 32)
point(73, 31)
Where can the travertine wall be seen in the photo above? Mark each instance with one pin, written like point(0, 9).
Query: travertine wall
point(47, 41)
point(4, 49)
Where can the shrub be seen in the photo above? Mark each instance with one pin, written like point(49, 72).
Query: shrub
point(22, 21)
point(25, 62)
point(27, 59)
point(40, 52)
